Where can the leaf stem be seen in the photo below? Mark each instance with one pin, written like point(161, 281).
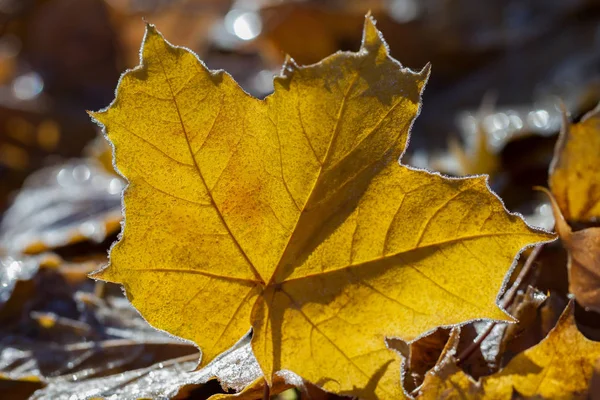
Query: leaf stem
point(506, 302)
point(266, 391)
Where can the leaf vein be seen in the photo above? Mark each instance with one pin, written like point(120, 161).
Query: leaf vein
point(172, 195)
point(198, 272)
point(212, 200)
point(440, 208)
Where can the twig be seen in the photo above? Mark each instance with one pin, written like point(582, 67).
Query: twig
point(416, 391)
point(506, 302)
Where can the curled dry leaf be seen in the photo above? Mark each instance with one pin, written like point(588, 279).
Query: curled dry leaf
point(292, 216)
point(559, 367)
point(575, 185)
point(61, 205)
point(447, 380)
point(421, 355)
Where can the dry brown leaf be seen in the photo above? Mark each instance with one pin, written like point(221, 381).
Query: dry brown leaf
point(420, 356)
point(447, 380)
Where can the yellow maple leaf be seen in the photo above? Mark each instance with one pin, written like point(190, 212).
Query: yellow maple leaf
point(559, 367)
point(292, 215)
point(574, 181)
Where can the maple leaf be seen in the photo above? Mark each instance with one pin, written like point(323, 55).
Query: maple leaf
point(292, 215)
point(575, 197)
point(546, 370)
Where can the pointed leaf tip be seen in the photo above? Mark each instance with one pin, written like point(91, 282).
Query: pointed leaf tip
point(97, 116)
point(104, 274)
point(426, 71)
point(372, 40)
point(150, 28)
point(424, 74)
point(152, 34)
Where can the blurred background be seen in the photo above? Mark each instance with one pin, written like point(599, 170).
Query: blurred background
point(498, 65)
point(502, 71)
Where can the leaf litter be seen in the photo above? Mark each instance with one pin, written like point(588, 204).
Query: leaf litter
point(89, 327)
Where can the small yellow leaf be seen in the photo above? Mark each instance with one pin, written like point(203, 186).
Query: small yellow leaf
point(292, 216)
point(575, 185)
point(559, 367)
point(575, 171)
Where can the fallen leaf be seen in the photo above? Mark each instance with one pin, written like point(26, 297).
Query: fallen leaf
point(559, 367)
point(575, 170)
point(575, 198)
point(292, 216)
point(53, 327)
point(235, 369)
point(62, 205)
